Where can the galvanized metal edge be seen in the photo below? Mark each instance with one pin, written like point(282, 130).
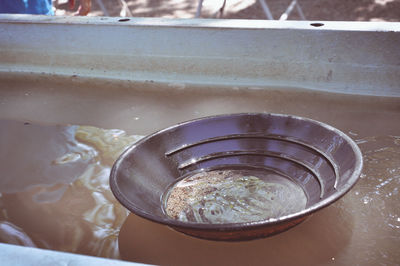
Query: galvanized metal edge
point(18, 255)
point(343, 57)
point(206, 23)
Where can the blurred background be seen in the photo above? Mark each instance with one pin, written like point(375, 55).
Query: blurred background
point(339, 10)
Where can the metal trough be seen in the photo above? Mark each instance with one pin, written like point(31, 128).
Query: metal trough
point(141, 75)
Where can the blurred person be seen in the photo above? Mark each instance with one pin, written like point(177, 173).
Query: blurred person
point(84, 7)
point(40, 7)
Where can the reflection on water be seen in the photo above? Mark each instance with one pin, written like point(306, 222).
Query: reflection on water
point(46, 204)
point(233, 196)
point(374, 202)
point(380, 180)
point(55, 195)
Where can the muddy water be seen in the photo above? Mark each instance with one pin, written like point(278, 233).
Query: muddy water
point(233, 196)
point(54, 183)
point(54, 187)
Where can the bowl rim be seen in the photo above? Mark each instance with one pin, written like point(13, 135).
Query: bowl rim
point(352, 180)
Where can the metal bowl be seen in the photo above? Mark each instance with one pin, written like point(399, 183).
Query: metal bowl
point(309, 157)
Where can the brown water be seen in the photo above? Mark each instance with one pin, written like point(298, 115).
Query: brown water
point(233, 196)
point(54, 183)
point(54, 187)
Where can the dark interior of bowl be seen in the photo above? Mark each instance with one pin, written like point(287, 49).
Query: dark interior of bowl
point(315, 157)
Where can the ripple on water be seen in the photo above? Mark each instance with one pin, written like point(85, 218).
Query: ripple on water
point(233, 196)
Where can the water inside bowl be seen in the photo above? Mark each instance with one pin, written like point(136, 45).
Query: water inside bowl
point(233, 196)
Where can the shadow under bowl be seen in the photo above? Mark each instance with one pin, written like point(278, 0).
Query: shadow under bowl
point(317, 159)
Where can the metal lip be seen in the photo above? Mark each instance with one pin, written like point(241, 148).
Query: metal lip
point(255, 24)
point(237, 226)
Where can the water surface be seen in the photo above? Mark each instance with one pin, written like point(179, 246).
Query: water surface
point(60, 137)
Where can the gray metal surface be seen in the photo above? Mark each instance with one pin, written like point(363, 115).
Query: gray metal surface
point(205, 51)
point(17, 255)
